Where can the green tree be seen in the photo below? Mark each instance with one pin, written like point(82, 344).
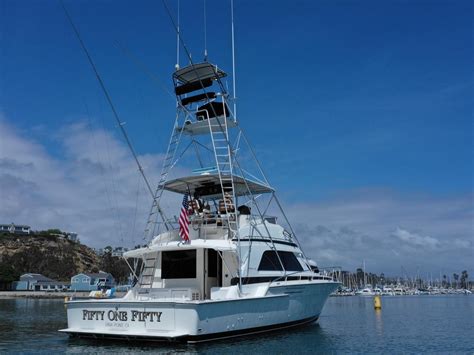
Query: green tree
point(8, 273)
point(116, 266)
point(54, 231)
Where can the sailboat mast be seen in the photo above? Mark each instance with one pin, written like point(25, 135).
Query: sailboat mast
point(365, 275)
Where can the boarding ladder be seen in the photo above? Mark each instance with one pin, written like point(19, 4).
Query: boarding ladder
point(147, 275)
point(223, 155)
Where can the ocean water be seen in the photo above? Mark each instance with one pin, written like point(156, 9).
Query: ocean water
point(406, 324)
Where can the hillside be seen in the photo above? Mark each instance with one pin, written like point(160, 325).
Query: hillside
point(53, 256)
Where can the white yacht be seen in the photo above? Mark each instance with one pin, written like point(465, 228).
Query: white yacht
point(377, 291)
point(366, 291)
point(230, 264)
point(387, 291)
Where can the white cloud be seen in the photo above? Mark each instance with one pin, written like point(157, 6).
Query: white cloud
point(415, 239)
point(437, 233)
point(93, 188)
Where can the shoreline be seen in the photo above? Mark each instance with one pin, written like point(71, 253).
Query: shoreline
point(46, 294)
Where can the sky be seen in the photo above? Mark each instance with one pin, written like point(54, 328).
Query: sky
point(360, 111)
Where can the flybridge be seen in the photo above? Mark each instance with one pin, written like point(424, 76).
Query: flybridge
point(210, 101)
point(209, 185)
point(198, 72)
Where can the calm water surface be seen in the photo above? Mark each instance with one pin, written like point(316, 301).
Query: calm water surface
point(406, 324)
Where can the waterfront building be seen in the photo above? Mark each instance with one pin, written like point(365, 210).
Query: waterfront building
point(72, 236)
point(39, 282)
point(92, 281)
point(99, 251)
point(15, 229)
point(118, 251)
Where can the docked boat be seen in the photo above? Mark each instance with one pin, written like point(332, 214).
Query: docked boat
point(366, 291)
point(387, 291)
point(230, 264)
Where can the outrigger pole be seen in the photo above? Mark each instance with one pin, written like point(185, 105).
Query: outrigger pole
point(116, 116)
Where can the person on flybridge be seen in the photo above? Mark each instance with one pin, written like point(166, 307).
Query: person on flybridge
point(195, 207)
point(198, 210)
point(227, 201)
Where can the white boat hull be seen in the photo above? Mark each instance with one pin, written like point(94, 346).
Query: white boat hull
point(285, 305)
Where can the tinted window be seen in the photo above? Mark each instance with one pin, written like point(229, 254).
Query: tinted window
point(270, 261)
point(179, 264)
point(211, 263)
point(290, 261)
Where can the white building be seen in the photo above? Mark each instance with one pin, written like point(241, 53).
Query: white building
point(15, 229)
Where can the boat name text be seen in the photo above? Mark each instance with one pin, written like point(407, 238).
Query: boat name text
point(122, 316)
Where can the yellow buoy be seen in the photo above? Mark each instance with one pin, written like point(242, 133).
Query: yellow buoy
point(377, 302)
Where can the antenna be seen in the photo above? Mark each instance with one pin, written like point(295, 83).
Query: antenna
point(177, 42)
point(205, 33)
point(233, 58)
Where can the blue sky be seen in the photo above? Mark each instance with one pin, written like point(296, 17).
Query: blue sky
point(357, 100)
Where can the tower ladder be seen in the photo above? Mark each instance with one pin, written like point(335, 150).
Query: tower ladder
point(223, 157)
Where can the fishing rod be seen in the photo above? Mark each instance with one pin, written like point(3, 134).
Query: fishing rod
point(116, 116)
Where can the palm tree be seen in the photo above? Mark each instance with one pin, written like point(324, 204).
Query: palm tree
point(456, 278)
point(464, 277)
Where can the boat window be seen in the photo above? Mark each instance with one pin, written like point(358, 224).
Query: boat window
point(290, 261)
point(270, 261)
point(180, 264)
point(211, 263)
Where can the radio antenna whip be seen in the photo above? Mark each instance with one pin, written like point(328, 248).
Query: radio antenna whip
point(233, 58)
point(177, 42)
point(205, 33)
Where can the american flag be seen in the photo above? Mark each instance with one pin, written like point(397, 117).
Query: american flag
point(183, 220)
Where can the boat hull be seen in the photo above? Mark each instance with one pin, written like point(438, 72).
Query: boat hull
point(194, 321)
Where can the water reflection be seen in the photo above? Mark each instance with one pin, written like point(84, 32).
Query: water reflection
point(378, 322)
point(347, 325)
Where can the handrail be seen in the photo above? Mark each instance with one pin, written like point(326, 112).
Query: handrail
point(324, 273)
point(334, 272)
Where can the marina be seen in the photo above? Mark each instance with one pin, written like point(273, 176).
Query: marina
point(399, 291)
